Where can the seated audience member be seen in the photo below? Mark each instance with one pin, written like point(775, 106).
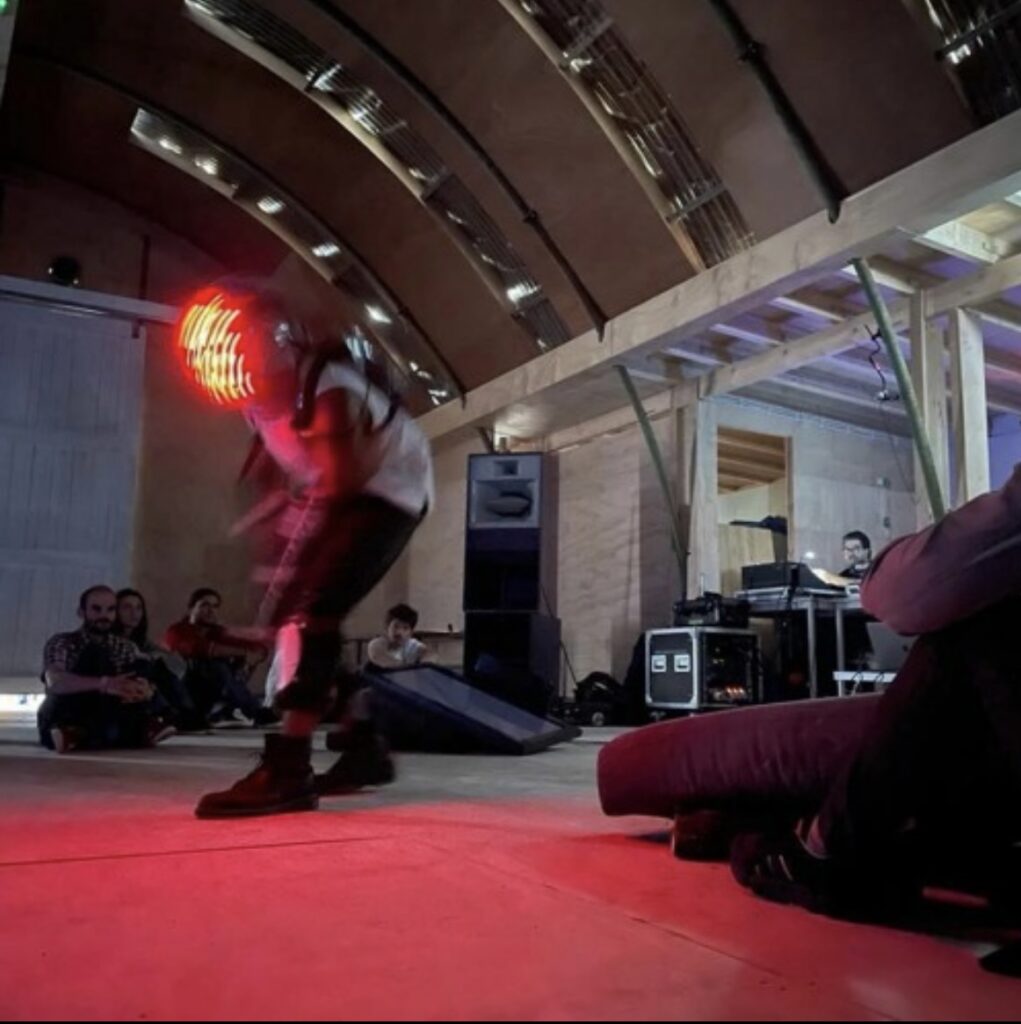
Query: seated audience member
point(94, 698)
point(397, 648)
point(219, 663)
point(164, 669)
point(938, 776)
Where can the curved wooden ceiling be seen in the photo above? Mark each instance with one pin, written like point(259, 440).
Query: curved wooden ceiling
point(859, 71)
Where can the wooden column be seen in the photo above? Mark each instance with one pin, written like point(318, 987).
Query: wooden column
point(697, 493)
point(928, 374)
point(970, 413)
point(659, 577)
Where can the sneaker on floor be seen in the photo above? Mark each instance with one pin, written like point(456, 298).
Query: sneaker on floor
point(158, 731)
point(65, 739)
point(779, 868)
point(231, 718)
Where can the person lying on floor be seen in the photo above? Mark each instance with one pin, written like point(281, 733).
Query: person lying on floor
point(94, 698)
point(940, 770)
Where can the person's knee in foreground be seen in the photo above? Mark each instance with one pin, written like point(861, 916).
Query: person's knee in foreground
point(357, 480)
point(947, 736)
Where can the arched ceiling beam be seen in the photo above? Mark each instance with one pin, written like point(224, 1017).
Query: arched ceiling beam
point(579, 39)
point(300, 62)
point(189, 148)
point(528, 214)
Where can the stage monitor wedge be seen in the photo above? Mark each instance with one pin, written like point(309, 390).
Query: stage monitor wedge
point(429, 708)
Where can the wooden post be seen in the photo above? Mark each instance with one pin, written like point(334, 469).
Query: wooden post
point(698, 490)
point(928, 374)
point(971, 427)
point(659, 578)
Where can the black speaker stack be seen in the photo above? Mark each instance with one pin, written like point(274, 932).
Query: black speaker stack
point(510, 560)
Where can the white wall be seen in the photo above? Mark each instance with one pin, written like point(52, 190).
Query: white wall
point(843, 478)
point(753, 503)
point(70, 398)
point(1004, 448)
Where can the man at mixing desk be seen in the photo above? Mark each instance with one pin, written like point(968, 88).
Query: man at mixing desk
point(857, 549)
point(857, 555)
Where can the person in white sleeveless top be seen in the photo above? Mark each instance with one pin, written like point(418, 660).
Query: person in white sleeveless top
point(355, 476)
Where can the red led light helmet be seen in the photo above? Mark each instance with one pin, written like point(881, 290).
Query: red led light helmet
point(239, 344)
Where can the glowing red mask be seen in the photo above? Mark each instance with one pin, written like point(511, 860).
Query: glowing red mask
point(220, 349)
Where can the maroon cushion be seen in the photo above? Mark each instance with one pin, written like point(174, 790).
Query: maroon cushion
point(748, 757)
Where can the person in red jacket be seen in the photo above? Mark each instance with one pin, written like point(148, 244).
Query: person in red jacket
point(940, 769)
point(349, 478)
point(219, 663)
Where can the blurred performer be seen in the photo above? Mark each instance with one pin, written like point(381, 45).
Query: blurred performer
point(358, 481)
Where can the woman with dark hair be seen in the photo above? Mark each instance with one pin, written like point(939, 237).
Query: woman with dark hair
point(133, 619)
point(164, 669)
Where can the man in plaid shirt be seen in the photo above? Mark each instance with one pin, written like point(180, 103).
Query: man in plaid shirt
point(93, 697)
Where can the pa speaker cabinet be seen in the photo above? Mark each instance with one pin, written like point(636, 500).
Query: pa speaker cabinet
point(687, 669)
point(510, 533)
point(518, 640)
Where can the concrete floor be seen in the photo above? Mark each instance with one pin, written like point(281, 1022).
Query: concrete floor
point(473, 888)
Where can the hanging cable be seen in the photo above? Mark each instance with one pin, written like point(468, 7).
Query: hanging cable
point(884, 394)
